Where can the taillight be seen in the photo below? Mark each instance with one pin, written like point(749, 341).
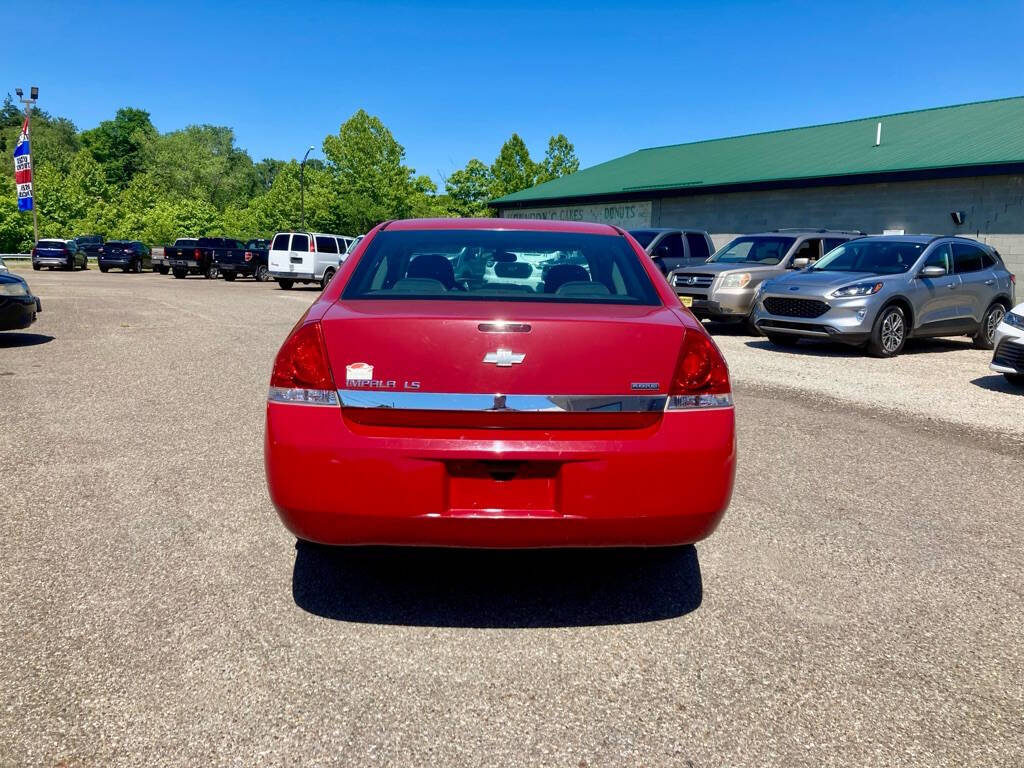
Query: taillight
point(35, 251)
point(248, 255)
point(701, 378)
point(1013, 279)
point(311, 245)
point(100, 250)
point(301, 371)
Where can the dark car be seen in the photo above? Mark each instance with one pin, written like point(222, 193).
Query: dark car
point(18, 307)
point(247, 261)
point(58, 253)
point(129, 255)
point(201, 259)
point(182, 250)
point(674, 248)
point(91, 245)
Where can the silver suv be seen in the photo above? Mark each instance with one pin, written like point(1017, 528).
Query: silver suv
point(880, 291)
point(723, 287)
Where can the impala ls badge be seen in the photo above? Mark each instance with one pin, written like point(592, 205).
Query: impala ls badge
point(504, 358)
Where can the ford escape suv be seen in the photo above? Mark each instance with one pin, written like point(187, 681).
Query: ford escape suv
point(880, 291)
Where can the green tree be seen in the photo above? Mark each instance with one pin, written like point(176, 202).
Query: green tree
point(372, 181)
point(513, 170)
point(469, 189)
point(559, 160)
point(121, 145)
point(202, 162)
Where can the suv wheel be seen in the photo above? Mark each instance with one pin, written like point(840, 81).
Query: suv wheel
point(212, 272)
point(137, 266)
point(229, 276)
point(285, 284)
point(104, 268)
point(328, 274)
point(889, 334)
point(985, 336)
point(164, 270)
point(180, 273)
point(262, 273)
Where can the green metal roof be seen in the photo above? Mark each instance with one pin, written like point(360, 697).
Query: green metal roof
point(981, 133)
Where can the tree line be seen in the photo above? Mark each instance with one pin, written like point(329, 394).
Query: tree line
point(124, 179)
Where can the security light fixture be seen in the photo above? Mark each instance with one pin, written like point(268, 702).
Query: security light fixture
point(34, 93)
point(958, 217)
point(18, 92)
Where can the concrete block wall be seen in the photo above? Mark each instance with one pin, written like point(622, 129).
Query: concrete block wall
point(994, 208)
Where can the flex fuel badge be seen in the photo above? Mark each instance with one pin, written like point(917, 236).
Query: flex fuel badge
point(358, 372)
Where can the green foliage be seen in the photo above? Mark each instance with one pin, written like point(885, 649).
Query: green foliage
point(123, 179)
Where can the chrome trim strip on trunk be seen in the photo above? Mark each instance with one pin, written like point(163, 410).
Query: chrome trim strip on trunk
point(447, 401)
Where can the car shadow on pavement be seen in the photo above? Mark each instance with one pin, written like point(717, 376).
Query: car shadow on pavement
point(496, 588)
point(833, 349)
point(998, 383)
point(8, 339)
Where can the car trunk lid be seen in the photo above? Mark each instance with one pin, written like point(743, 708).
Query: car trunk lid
point(600, 360)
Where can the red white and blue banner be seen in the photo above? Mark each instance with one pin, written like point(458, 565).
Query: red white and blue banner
point(23, 169)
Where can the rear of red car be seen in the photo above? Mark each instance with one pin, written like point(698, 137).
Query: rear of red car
point(499, 384)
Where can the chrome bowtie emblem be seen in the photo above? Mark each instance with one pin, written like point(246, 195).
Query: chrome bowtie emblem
point(691, 281)
point(504, 358)
point(794, 288)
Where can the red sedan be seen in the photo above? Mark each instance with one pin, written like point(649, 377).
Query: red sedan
point(499, 383)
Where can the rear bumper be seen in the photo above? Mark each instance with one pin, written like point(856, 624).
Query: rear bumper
point(297, 276)
point(53, 261)
point(18, 312)
point(105, 262)
point(337, 482)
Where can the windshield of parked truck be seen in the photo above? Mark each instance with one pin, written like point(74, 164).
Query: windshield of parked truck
point(879, 257)
point(644, 236)
point(754, 250)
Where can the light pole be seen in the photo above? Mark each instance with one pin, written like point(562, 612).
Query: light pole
point(302, 188)
point(33, 96)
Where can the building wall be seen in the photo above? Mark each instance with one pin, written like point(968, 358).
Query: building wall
point(993, 207)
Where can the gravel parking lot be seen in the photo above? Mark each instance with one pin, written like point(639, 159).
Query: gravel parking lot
point(861, 604)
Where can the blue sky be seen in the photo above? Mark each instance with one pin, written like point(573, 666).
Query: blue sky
point(454, 80)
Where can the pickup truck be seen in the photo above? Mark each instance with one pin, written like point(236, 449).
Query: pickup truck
point(248, 261)
point(200, 259)
point(181, 251)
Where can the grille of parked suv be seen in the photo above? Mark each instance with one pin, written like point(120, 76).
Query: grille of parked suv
point(1009, 354)
point(687, 280)
point(795, 307)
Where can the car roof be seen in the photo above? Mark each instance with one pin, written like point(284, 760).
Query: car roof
point(805, 232)
point(668, 229)
point(527, 225)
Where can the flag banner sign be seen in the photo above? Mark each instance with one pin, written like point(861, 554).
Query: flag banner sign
point(23, 170)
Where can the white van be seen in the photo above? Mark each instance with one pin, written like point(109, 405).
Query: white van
point(306, 257)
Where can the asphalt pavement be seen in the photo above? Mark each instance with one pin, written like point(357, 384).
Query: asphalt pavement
point(861, 604)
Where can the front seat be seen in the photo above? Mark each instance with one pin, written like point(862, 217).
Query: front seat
point(433, 266)
point(560, 274)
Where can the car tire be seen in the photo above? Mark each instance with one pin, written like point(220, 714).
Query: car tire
point(889, 333)
point(1017, 379)
point(180, 274)
point(137, 266)
point(782, 339)
point(229, 276)
point(164, 270)
point(262, 274)
point(36, 267)
point(285, 285)
point(212, 272)
point(103, 268)
point(328, 274)
point(985, 337)
point(71, 265)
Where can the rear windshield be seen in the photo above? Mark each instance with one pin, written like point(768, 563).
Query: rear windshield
point(88, 239)
point(880, 257)
point(51, 244)
point(505, 266)
point(644, 236)
point(754, 250)
point(186, 242)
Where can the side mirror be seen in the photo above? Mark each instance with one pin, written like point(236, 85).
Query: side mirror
point(800, 263)
point(932, 271)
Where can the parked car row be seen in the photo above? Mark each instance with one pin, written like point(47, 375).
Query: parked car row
point(876, 292)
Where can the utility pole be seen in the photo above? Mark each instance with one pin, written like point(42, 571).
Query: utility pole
point(31, 100)
point(302, 188)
